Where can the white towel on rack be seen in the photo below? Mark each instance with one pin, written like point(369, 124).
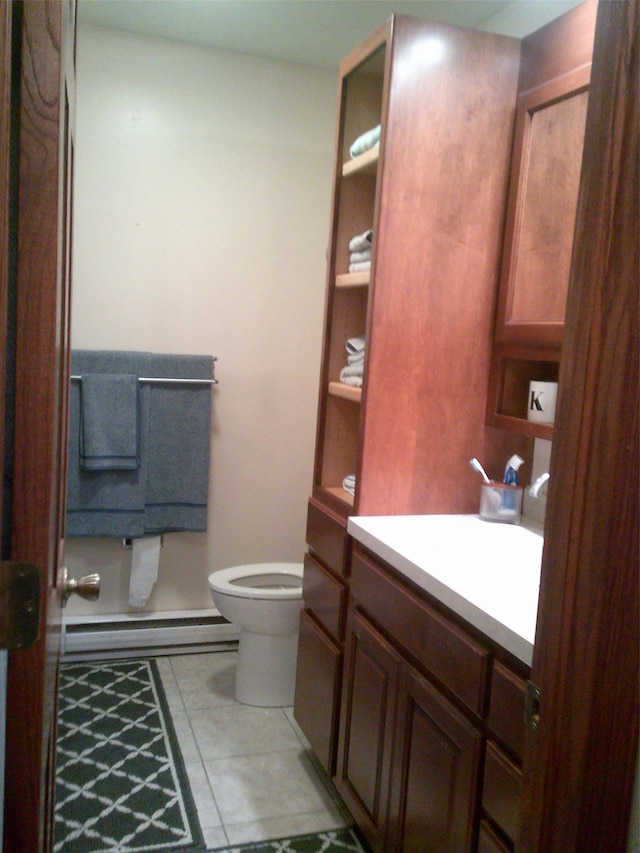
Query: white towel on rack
point(145, 559)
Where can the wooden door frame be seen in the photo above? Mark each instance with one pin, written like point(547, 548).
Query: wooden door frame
point(41, 369)
point(579, 767)
point(5, 178)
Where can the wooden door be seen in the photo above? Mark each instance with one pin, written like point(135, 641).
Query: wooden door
point(435, 773)
point(579, 766)
point(370, 685)
point(42, 62)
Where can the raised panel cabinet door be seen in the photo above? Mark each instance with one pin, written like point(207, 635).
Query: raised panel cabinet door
point(369, 691)
point(488, 841)
point(325, 596)
point(506, 708)
point(317, 696)
point(502, 791)
point(435, 773)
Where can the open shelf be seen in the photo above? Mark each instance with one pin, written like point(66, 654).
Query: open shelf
point(340, 493)
point(346, 392)
point(354, 279)
point(513, 368)
point(364, 164)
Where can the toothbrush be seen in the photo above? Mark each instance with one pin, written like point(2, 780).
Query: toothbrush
point(478, 467)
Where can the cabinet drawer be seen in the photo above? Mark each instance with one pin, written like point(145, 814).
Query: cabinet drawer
point(325, 596)
point(501, 791)
point(445, 650)
point(488, 841)
point(327, 537)
point(317, 698)
point(506, 708)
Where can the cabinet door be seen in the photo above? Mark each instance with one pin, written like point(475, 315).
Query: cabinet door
point(325, 597)
point(506, 708)
point(366, 732)
point(545, 177)
point(488, 841)
point(502, 791)
point(317, 697)
point(435, 773)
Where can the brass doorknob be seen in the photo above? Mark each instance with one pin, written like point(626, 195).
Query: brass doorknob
point(86, 587)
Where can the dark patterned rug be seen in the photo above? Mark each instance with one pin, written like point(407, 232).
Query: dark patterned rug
point(333, 841)
point(121, 783)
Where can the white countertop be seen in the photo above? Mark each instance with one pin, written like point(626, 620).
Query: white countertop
point(488, 573)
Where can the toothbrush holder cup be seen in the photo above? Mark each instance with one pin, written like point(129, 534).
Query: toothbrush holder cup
point(499, 502)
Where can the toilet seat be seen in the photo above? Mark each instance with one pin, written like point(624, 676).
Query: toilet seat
point(277, 581)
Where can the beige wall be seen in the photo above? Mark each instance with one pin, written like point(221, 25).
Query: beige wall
point(201, 219)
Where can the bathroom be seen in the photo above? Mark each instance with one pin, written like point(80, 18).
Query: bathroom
point(179, 204)
point(174, 219)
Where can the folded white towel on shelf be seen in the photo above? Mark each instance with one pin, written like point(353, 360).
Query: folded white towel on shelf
point(356, 381)
point(353, 369)
point(361, 241)
point(356, 358)
point(349, 484)
point(352, 375)
point(358, 257)
point(365, 141)
point(360, 267)
point(355, 344)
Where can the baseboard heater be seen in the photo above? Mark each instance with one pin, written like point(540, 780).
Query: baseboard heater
point(122, 636)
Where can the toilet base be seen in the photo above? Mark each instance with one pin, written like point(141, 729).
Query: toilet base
point(266, 669)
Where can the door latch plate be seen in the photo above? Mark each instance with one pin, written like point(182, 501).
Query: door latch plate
point(532, 707)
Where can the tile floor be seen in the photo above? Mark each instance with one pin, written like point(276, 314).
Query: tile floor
point(252, 774)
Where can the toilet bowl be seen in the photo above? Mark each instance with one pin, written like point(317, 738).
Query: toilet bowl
point(264, 600)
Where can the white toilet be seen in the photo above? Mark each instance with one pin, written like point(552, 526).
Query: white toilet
point(264, 600)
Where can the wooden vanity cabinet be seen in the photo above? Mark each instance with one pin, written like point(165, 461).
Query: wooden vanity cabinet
point(408, 760)
point(322, 632)
point(371, 684)
point(502, 778)
point(432, 723)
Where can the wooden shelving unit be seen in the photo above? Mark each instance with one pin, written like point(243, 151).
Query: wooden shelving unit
point(354, 279)
point(362, 85)
point(364, 164)
point(347, 392)
point(426, 304)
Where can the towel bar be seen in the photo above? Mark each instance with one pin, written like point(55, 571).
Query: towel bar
point(160, 379)
point(212, 381)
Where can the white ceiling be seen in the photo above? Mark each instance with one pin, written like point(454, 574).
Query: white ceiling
point(311, 32)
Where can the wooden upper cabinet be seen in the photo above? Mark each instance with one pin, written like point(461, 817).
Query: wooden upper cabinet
point(543, 198)
point(551, 110)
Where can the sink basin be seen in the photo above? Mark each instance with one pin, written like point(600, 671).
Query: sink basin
point(488, 573)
